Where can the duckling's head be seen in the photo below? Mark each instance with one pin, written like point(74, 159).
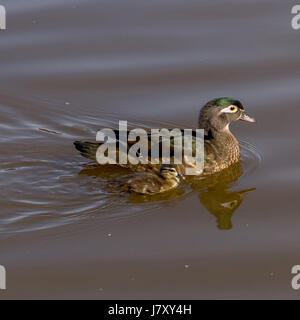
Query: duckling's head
point(218, 113)
point(169, 172)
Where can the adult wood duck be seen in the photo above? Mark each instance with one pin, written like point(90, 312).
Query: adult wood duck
point(150, 182)
point(221, 148)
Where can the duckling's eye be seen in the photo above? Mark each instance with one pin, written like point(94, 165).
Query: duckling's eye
point(231, 109)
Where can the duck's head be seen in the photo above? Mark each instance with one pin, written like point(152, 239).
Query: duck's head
point(219, 113)
point(169, 172)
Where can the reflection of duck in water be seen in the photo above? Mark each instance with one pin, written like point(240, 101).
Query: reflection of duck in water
point(216, 196)
point(222, 203)
point(221, 148)
point(149, 182)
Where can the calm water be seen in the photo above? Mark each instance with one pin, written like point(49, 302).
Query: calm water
point(70, 67)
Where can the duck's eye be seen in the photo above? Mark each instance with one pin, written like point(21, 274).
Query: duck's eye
point(230, 109)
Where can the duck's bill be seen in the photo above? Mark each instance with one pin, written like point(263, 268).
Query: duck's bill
point(245, 117)
point(181, 176)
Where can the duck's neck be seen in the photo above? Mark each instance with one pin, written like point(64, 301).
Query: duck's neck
point(226, 144)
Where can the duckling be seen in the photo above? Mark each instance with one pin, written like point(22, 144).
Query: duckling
point(150, 182)
point(221, 148)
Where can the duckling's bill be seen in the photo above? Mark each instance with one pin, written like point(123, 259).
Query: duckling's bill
point(181, 176)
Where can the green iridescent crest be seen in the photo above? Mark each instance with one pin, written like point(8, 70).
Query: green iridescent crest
point(225, 101)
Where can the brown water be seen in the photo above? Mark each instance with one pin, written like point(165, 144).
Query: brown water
point(69, 67)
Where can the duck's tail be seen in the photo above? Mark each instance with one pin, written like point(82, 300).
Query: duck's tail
point(87, 149)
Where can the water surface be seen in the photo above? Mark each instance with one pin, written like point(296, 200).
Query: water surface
point(71, 67)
